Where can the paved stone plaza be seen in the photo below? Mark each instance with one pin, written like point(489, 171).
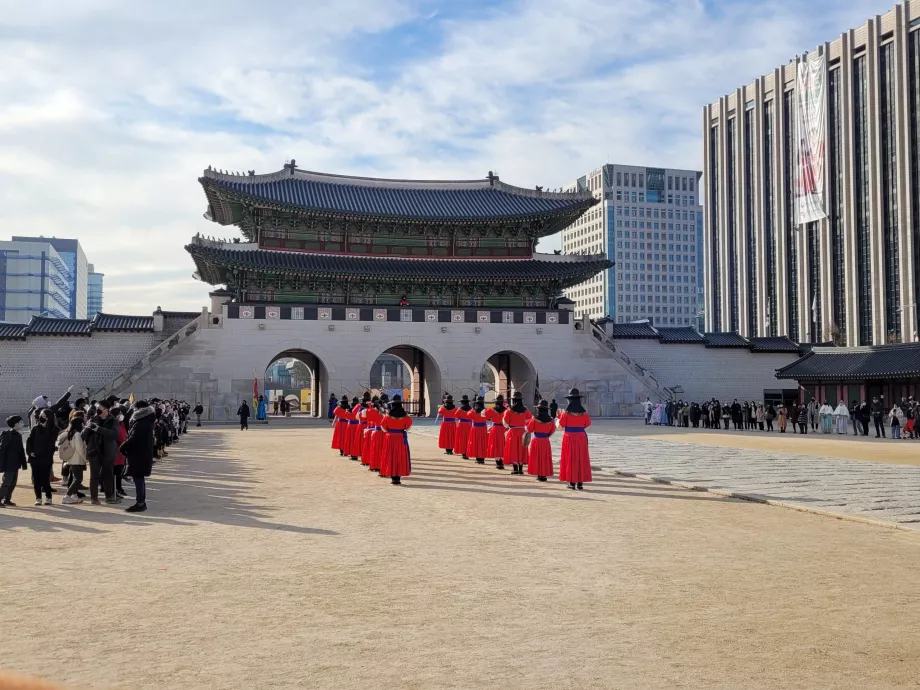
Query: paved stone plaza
point(815, 478)
point(266, 561)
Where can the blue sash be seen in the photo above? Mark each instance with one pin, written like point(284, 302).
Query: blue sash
point(449, 419)
point(341, 421)
point(573, 429)
point(479, 423)
point(353, 421)
point(540, 434)
point(464, 420)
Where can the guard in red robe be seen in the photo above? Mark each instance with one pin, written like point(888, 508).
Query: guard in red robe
point(372, 419)
point(448, 412)
point(478, 444)
point(379, 435)
point(515, 420)
point(340, 426)
point(396, 460)
point(497, 430)
point(539, 452)
point(352, 429)
point(358, 411)
point(463, 426)
point(574, 461)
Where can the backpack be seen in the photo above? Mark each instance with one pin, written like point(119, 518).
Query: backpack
point(65, 449)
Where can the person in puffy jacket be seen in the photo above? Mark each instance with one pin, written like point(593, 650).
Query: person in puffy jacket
point(72, 451)
point(12, 459)
point(138, 448)
point(40, 447)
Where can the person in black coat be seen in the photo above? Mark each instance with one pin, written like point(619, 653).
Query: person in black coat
point(243, 414)
point(12, 458)
point(40, 448)
point(199, 409)
point(138, 448)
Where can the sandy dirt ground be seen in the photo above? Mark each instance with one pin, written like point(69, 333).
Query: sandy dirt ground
point(269, 562)
point(906, 451)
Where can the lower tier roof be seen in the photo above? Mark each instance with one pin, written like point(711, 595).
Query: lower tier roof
point(214, 263)
point(855, 363)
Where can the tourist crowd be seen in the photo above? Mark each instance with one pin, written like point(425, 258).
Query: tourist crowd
point(117, 440)
point(900, 418)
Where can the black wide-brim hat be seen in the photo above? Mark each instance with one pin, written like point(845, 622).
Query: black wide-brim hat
point(499, 398)
point(464, 398)
point(449, 398)
point(517, 396)
point(574, 394)
point(543, 403)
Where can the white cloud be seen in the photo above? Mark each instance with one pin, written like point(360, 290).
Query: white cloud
point(109, 111)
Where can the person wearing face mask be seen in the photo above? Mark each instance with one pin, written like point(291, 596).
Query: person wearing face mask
point(12, 459)
point(101, 437)
point(138, 448)
point(40, 447)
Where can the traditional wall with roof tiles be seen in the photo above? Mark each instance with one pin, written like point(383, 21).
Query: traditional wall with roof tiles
point(48, 365)
point(707, 372)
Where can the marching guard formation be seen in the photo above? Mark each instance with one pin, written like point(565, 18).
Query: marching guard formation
point(373, 430)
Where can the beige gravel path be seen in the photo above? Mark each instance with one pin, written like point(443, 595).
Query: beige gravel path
point(269, 562)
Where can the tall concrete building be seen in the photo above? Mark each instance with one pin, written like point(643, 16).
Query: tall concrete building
point(650, 223)
point(71, 253)
point(34, 281)
point(812, 183)
point(94, 291)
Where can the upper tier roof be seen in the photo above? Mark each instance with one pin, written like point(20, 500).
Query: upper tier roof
point(213, 262)
point(43, 325)
point(461, 200)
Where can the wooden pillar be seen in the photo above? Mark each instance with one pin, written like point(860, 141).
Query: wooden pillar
point(315, 386)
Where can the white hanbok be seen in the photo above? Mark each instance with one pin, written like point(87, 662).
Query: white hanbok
point(841, 418)
point(826, 415)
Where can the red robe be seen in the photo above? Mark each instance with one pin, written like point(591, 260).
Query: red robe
point(477, 446)
point(339, 428)
point(496, 434)
point(350, 432)
point(574, 461)
point(448, 428)
point(357, 435)
point(462, 435)
point(515, 452)
point(396, 461)
point(377, 440)
point(539, 453)
point(372, 418)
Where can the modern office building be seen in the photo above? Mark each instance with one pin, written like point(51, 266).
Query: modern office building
point(93, 291)
point(34, 281)
point(71, 253)
point(650, 223)
point(812, 183)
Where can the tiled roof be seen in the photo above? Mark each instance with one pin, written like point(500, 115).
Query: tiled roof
point(855, 363)
point(112, 322)
point(568, 269)
point(449, 200)
point(685, 334)
point(773, 344)
point(185, 314)
point(12, 331)
point(41, 325)
point(632, 331)
point(726, 340)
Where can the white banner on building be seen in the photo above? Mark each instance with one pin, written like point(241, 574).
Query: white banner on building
point(810, 138)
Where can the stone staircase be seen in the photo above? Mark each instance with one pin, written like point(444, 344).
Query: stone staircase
point(641, 374)
point(130, 375)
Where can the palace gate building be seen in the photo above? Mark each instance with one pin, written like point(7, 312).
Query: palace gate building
point(336, 271)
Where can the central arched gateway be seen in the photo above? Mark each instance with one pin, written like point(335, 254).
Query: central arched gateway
point(507, 372)
point(413, 373)
point(283, 377)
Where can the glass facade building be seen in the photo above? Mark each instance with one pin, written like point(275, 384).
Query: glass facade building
point(94, 292)
point(650, 223)
point(71, 253)
point(852, 277)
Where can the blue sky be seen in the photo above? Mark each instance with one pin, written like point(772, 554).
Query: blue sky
point(110, 110)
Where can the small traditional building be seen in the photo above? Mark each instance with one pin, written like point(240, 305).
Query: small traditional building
point(857, 373)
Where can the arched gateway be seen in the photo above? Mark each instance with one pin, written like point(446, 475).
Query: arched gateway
point(441, 276)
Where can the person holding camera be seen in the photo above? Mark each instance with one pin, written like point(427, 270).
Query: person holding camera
point(101, 438)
